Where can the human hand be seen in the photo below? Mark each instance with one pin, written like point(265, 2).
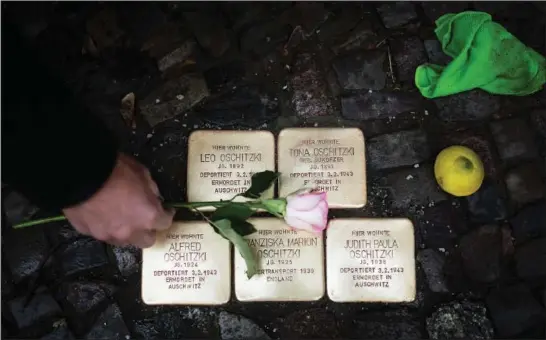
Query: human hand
point(126, 210)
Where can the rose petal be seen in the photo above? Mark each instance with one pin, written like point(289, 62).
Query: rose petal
point(306, 201)
point(313, 217)
point(296, 223)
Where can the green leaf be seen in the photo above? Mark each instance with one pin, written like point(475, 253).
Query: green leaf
point(232, 211)
point(225, 228)
point(241, 227)
point(260, 182)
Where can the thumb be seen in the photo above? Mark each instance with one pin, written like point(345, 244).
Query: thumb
point(165, 219)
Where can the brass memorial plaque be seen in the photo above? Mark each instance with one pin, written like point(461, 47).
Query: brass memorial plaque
point(328, 159)
point(188, 265)
point(370, 260)
point(221, 163)
point(291, 264)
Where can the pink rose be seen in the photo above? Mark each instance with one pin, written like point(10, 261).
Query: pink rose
point(307, 211)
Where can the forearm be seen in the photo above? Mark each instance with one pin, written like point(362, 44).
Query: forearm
point(54, 150)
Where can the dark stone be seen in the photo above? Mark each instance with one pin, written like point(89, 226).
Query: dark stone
point(309, 88)
point(362, 70)
point(339, 22)
point(110, 325)
point(481, 252)
point(529, 223)
point(386, 325)
point(225, 76)
point(60, 332)
point(263, 37)
point(398, 149)
point(42, 309)
point(467, 106)
point(434, 10)
point(525, 184)
point(395, 14)
point(81, 256)
point(487, 204)
point(25, 251)
point(441, 225)
point(310, 15)
point(432, 263)
point(514, 310)
point(127, 259)
point(378, 105)
point(173, 98)
point(164, 40)
point(314, 323)
point(192, 322)
point(209, 29)
point(408, 53)
point(142, 20)
point(244, 107)
point(530, 260)
point(361, 37)
point(435, 53)
point(460, 320)
point(177, 56)
point(514, 139)
point(103, 28)
point(538, 119)
point(414, 187)
point(237, 327)
point(17, 208)
point(83, 297)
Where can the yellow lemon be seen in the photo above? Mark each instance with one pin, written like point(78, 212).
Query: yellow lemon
point(459, 170)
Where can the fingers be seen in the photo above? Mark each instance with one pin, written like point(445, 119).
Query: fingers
point(144, 239)
point(165, 219)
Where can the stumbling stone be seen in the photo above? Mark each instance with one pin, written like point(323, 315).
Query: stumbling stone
point(514, 310)
point(304, 278)
point(481, 252)
point(26, 250)
point(109, 325)
point(414, 187)
point(530, 259)
point(435, 53)
point(460, 320)
point(386, 325)
point(398, 149)
point(472, 105)
point(81, 256)
point(525, 184)
point(514, 139)
point(529, 223)
point(487, 204)
point(234, 327)
point(354, 275)
point(127, 259)
point(408, 53)
point(378, 105)
point(309, 89)
point(396, 14)
point(328, 159)
point(221, 163)
point(189, 264)
point(363, 70)
point(173, 98)
point(42, 309)
point(432, 263)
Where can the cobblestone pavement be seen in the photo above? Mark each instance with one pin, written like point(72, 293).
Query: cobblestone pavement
point(261, 66)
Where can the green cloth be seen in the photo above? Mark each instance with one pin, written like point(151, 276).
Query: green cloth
point(485, 56)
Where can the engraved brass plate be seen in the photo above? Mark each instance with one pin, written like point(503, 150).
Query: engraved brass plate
point(188, 265)
point(370, 260)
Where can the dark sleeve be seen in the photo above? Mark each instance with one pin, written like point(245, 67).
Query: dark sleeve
point(54, 151)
